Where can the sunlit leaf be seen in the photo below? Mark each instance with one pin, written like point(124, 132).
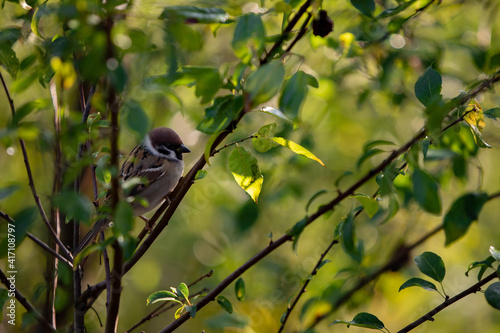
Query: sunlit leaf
point(184, 290)
point(263, 140)
point(494, 253)
point(246, 172)
point(431, 265)
point(274, 112)
point(239, 289)
point(462, 213)
point(370, 205)
point(297, 149)
point(191, 14)
point(417, 282)
point(200, 174)
point(163, 295)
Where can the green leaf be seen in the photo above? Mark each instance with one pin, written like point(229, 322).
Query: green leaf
point(363, 319)
point(265, 82)
point(246, 172)
point(492, 113)
point(367, 154)
point(184, 290)
point(348, 240)
point(222, 112)
point(370, 205)
point(249, 35)
point(296, 231)
point(462, 213)
point(492, 295)
point(74, 205)
point(200, 174)
point(395, 10)
point(478, 137)
point(190, 14)
point(124, 218)
point(239, 289)
point(26, 109)
point(483, 265)
point(163, 295)
point(7, 191)
point(428, 87)
point(263, 140)
point(297, 149)
point(179, 311)
point(417, 282)
point(295, 92)
point(10, 35)
point(225, 304)
point(274, 112)
point(314, 197)
point(366, 7)
point(426, 191)
point(372, 144)
point(191, 309)
point(8, 60)
point(24, 219)
point(431, 265)
point(40, 11)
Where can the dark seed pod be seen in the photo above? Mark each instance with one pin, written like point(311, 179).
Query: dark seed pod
point(322, 25)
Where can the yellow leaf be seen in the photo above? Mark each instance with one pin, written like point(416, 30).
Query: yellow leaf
point(297, 149)
point(474, 116)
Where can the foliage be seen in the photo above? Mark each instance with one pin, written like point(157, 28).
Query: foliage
point(388, 113)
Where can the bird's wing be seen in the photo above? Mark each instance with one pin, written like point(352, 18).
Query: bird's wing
point(141, 164)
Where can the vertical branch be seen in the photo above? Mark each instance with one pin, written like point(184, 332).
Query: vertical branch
point(117, 271)
point(31, 182)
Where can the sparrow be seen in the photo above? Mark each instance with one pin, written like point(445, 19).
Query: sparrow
point(157, 163)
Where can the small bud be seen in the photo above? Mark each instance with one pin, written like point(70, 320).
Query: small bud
point(322, 25)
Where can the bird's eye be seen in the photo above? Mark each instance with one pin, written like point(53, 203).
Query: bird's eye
point(163, 150)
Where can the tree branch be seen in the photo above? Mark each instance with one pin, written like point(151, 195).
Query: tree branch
point(429, 316)
point(38, 203)
point(27, 305)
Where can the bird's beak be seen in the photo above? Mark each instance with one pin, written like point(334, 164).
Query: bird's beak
point(184, 149)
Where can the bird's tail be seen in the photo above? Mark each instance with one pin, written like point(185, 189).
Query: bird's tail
point(96, 229)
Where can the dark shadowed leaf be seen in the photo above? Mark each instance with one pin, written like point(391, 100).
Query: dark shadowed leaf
point(225, 304)
point(74, 205)
point(428, 87)
point(426, 191)
point(364, 6)
point(462, 213)
point(431, 265)
point(363, 319)
point(492, 113)
point(350, 244)
point(136, 119)
point(483, 265)
point(8, 190)
point(263, 140)
point(218, 116)
point(492, 295)
point(417, 282)
point(8, 60)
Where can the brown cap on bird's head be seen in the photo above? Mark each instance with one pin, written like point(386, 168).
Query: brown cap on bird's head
point(164, 135)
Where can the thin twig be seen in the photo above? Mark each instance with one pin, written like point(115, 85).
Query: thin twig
point(26, 304)
point(167, 305)
point(304, 286)
point(429, 316)
point(38, 203)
